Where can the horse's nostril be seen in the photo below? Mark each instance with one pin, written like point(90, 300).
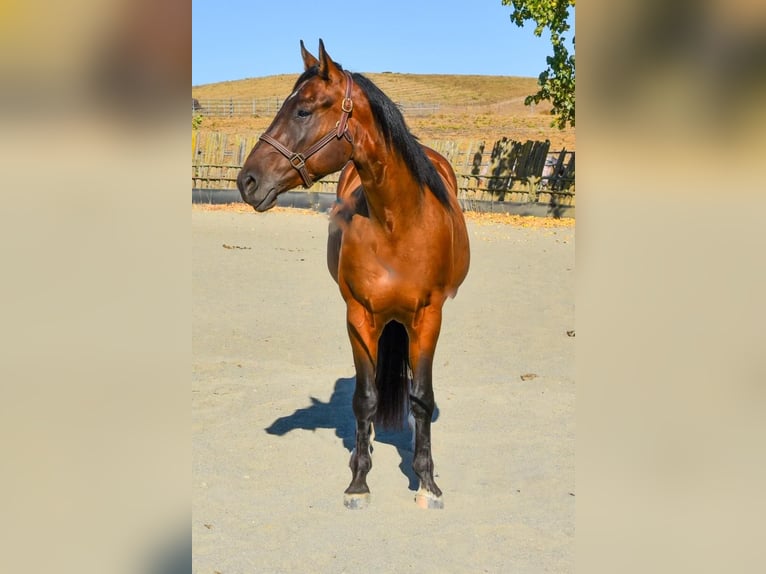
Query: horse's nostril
point(246, 180)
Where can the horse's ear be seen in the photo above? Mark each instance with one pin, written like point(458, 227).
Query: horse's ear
point(327, 68)
point(309, 60)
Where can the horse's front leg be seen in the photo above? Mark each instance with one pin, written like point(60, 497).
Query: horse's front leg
point(423, 337)
point(364, 346)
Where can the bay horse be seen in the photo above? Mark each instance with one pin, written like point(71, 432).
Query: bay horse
point(397, 246)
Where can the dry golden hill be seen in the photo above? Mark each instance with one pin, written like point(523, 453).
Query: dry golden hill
point(470, 106)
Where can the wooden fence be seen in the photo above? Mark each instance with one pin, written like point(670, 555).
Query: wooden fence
point(238, 107)
point(506, 170)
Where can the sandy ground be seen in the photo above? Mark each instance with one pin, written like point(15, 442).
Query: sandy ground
point(272, 424)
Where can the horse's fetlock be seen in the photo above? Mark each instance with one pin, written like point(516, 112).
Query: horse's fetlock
point(360, 462)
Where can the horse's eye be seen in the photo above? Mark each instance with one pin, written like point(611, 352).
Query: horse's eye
point(303, 113)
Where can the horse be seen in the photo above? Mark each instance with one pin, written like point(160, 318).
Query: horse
point(397, 245)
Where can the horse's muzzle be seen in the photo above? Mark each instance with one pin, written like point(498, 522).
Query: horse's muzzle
point(262, 198)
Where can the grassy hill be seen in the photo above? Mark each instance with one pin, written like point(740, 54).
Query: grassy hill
point(470, 106)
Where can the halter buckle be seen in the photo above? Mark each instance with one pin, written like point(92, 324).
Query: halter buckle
point(297, 161)
point(347, 105)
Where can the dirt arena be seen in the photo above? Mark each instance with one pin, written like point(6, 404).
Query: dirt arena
point(272, 425)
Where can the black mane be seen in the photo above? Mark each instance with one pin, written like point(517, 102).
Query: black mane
point(389, 119)
point(391, 122)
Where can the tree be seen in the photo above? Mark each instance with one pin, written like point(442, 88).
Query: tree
point(557, 82)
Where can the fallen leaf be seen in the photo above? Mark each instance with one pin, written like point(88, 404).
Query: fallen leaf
point(528, 376)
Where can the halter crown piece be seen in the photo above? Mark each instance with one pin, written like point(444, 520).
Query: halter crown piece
point(298, 159)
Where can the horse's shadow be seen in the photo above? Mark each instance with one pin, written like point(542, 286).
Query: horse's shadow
point(338, 415)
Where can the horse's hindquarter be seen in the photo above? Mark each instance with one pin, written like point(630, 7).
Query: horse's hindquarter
point(460, 246)
point(461, 255)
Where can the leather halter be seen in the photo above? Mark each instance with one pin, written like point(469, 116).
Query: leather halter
point(297, 159)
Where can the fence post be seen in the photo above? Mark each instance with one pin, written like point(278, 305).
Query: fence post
point(532, 182)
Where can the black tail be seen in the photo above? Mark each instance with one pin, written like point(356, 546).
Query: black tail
point(392, 376)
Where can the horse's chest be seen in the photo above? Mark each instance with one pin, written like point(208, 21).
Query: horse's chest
point(384, 278)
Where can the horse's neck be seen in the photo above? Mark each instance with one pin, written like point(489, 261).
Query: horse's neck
point(389, 187)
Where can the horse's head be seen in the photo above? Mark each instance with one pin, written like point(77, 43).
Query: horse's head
point(308, 138)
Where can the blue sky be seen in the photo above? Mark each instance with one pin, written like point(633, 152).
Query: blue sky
point(236, 39)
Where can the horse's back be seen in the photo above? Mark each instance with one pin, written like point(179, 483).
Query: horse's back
point(443, 168)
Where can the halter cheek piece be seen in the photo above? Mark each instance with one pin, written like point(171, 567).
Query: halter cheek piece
point(297, 159)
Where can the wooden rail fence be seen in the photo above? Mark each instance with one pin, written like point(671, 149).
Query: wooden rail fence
point(238, 107)
point(506, 170)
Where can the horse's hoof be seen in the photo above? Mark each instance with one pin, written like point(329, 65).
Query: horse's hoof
point(356, 501)
point(428, 500)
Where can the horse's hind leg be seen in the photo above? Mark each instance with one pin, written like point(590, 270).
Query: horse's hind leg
point(365, 404)
point(422, 346)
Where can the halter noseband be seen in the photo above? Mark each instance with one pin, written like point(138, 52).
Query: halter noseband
point(297, 159)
